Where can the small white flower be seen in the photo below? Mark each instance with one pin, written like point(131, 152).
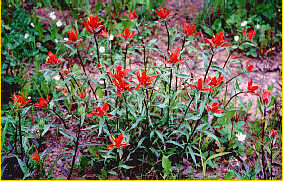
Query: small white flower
point(66, 39)
point(257, 27)
point(236, 38)
point(32, 25)
point(111, 37)
point(26, 35)
point(244, 23)
point(29, 97)
point(101, 49)
point(59, 23)
point(56, 77)
point(241, 137)
point(56, 41)
point(52, 15)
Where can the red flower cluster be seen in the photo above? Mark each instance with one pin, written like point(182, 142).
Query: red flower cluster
point(249, 67)
point(189, 30)
point(251, 88)
point(214, 108)
point(19, 100)
point(132, 15)
point(93, 25)
point(100, 112)
point(117, 142)
point(42, 103)
point(174, 56)
point(72, 37)
point(273, 133)
point(144, 80)
point(217, 40)
point(82, 95)
point(249, 34)
point(36, 156)
point(121, 83)
point(265, 96)
point(214, 82)
point(163, 13)
point(199, 85)
point(52, 59)
point(127, 35)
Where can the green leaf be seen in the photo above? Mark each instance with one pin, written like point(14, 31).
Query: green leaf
point(126, 166)
point(166, 164)
point(23, 166)
point(217, 155)
point(53, 165)
point(229, 176)
point(160, 136)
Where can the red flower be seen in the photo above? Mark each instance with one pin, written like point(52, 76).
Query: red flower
point(102, 34)
point(199, 85)
point(273, 133)
point(127, 34)
point(217, 40)
point(36, 156)
point(100, 112)
point(132, 15)
point(93, 25)
point(72, 37)
point(121, 83)
point(144, 80)
point(249, 67)
point(42, 103)
point(250, 34)
point(163, 13)
point(251, 88)
point(214, 82)
point(52, 59)
point(117, 142)
point(265, 96)
point(189, 30)
point(215, 108)
point(66, 71)
point(19, 100)
point(82, 95)
point(174, 56)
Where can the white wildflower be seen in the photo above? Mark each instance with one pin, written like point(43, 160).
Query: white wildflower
point(59, 23)
point(241, 137)
point(32, 25)
point(66, 39)
point(56, 41)
point(244, 23)
point(101, 49)
point(236, 38)
point(56, 77)
point(111, 37)
point(52, 15)
point(26, 35)
point(257, 27)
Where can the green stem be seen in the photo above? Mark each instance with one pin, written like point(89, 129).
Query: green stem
point(168, 110)
point(233, 97)
point(262, 143)
point(126, 51)
point(66, 85)
point(210, 62)
point(20, 134)
point(168, 36)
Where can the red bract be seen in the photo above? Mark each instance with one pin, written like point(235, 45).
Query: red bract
point(52, 59)
point(174, 56)
point(36, 156)
point(72, 37)
point(189, 30)
point(199, 85)
point(117, 142)
point(251, 88)
point(19, 100)
point(265, 96)
point(144, 80)
point(42, 103)
point(120, 73)
point(214, 108)
point(132, 15)
point(100, 112)
point(82, 95)
point(66, 71)
point(249, 67)
point(163, 13)
point(93, 25)
point(273, 133)
point(122, 85)
point(250, 34)
point(217, 40)
point(214, 82)
point(127, 35)
point(102, 34)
